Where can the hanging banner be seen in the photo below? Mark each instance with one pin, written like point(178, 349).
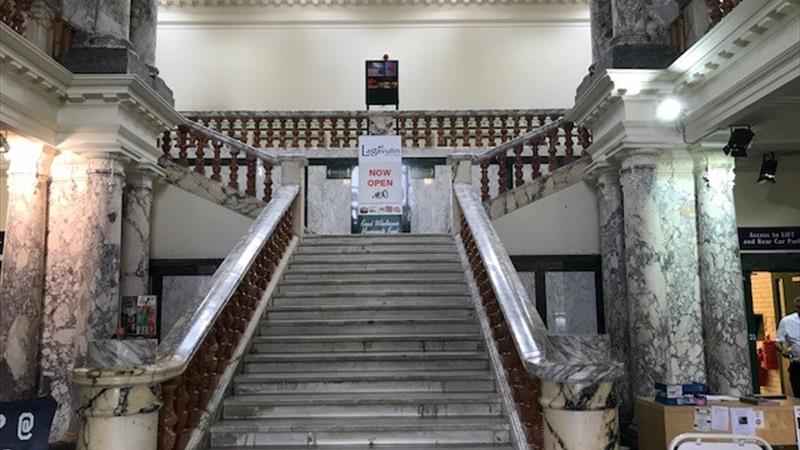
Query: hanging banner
point(380, 184)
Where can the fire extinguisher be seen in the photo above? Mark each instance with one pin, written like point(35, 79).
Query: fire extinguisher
point(763, 373)
point(770, 354)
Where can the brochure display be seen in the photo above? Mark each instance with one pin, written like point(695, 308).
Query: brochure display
point(380, 190)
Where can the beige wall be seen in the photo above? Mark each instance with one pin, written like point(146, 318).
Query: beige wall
point(564, 223)
point(186, 226)
point(768, 205)
point(467, 56)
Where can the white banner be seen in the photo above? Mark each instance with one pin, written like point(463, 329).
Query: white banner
point(380, 175)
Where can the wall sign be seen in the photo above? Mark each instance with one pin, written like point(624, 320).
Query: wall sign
point(380, 184)
point(25, 424)
point(383, 82)
point(769, 238)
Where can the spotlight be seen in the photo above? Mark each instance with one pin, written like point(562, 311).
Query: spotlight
point(669, 109)
point(768, 169)
point(739, 142)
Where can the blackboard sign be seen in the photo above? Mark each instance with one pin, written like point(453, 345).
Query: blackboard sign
point(382, 83)
point(769, 238)
point(25, 424)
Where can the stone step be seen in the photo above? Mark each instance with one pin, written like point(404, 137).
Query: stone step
point(371, 312)
point(381, 277)
point(366, 326)
point(424, 404)
point(364, 431)
point(411, 248)
point(372, 343)
point(365, 381)
point(360, 361)
point(371, 301)
point(382, 289)
point(345, 266)
point(395, 258)
point(375, 447)
point(360, 239)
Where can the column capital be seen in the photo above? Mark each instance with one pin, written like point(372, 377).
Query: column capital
point(639, 158)
point(28, 158)
point(707, 157)
point(604, 173)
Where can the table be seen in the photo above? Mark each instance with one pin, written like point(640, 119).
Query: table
point(658, 424)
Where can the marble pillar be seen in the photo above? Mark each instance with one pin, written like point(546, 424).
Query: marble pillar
point(22, 276)
point(99, 23)
point(724, 319)
point(119, 418)
point(82, 271)
point(665, 318)
point(143, 21)
point(137, 199)
point(615, 295)
point(602, 27)
point(293, 172)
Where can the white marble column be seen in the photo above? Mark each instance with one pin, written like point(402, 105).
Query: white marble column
point(615, 295)
point(82, 271)
point(724, 318)
point(144, 18)
point(665, 319)
point(137, 199)
point(22, 276)
point(580, 416)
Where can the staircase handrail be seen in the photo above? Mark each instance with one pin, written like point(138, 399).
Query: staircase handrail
point(253, 114)
point(527, 328)
point(531, 137)
point(178, 348)
point(267, 155)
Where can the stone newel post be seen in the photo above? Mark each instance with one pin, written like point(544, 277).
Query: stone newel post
point(22, 277)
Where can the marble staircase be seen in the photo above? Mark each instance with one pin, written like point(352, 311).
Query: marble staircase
point(369, 343)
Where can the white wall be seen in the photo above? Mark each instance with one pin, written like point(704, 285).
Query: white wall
point(187, 226)
point(768, 205)
point(467, 56)
point(564, 223)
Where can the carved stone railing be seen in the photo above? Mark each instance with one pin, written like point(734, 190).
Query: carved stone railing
point(561, 385)
point(206, 152)
point(696, 18)
point(543, 151)
point(340, 129)
point(39, 22)
point(196, 361)
point(14, 13)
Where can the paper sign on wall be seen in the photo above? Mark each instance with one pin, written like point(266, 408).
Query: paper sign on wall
point(743, 421)
point(380, 183)
point(720, 417)
point(702, 420)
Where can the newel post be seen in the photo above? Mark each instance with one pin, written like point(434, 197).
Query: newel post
point(293, 172)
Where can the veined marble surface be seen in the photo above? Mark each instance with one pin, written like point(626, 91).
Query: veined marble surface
point(615, 295)
point(209, 189)
point(22, 276)
point(430, 202)
point(724, 319)
point(180, 293)
point(137, 199)
point(82, 274)
point(661, 264)
point(144, 18)
point(328, 203)
point(121, 352)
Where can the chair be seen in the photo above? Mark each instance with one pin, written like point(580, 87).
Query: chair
point(700, 441)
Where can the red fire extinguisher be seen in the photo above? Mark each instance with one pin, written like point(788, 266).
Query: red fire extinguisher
point(770, 354)
point(763, 373)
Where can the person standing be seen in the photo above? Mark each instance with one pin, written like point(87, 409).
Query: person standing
point(788, 340)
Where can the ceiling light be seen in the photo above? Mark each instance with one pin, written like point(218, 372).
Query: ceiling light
point(669, 109)
point(739, 142)
point(768, 169)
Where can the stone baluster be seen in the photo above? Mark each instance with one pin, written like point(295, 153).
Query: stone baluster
point(552, 158)
point(485, 180)
point(251, 175)
point(441, 141)
point(183, 144)
point(216, 163)
point(282, 132)
point(199, 153)
point(491, 132)
point(233, 167)
point(267, 181)
point(569, 151)
point(536, 161)
point(502, 172)
point(465, 130)
point(453, 131)
point(724, 319)
point(428, 131)
point(166, 145)
point(519, 179)
point(23, 268)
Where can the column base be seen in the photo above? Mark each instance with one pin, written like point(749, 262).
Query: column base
point(118, 418)
point(581, 430)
